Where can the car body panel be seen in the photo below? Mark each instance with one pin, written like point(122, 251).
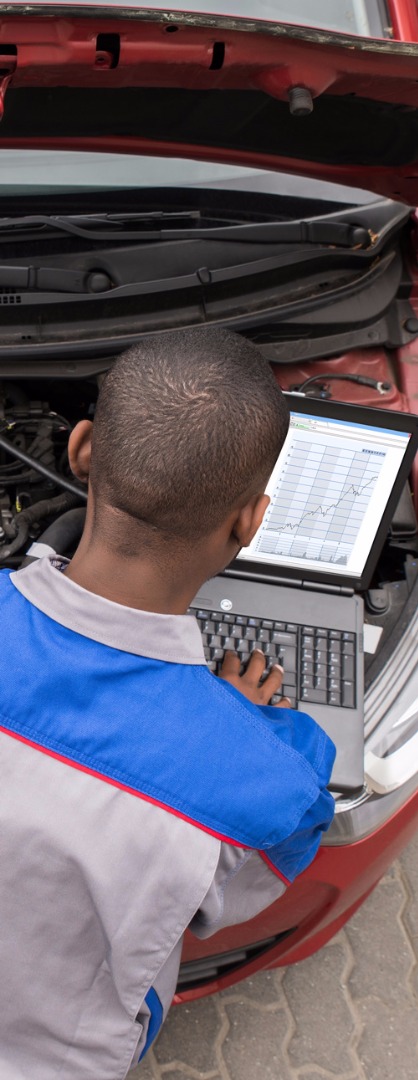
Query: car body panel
point(219, 87)
point(236, 97)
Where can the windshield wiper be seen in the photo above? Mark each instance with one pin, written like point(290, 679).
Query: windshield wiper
point(90, 226)
point(318, 231)
point(54, 279)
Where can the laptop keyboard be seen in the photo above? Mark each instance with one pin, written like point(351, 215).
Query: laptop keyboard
point(319, 664)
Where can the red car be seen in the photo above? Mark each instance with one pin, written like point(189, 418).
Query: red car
point(163, 168)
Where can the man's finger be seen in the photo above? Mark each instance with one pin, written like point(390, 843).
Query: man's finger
point(272, 683)
point(256, 667)
point(284, 703)
point(230, 664)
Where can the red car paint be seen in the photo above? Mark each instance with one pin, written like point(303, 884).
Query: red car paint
point(53, 51)
point(404, 19)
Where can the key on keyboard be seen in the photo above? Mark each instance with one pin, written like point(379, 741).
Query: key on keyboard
point(319, 664)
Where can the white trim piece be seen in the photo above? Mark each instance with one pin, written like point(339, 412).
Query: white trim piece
point(389, 773)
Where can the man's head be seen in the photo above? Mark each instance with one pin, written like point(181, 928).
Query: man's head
point(187, 428)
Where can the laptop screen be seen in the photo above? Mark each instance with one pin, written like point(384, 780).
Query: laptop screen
point(330, 490)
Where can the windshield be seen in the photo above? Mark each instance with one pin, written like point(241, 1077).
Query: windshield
point(31, 172)
point(368, 18)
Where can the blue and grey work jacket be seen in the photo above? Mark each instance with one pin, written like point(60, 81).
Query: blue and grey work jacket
point(139, 795)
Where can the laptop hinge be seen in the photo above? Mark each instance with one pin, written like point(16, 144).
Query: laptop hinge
point(291, 583)
point(266, 579)
point(340, 590)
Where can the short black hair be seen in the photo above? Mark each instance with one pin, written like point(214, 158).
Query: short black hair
point(187, 423)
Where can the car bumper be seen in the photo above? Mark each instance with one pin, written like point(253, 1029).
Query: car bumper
point(312, 911)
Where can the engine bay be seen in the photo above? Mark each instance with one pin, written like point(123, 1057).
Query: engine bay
point(42, 506)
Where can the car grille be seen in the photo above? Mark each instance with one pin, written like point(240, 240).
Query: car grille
point(197, 973)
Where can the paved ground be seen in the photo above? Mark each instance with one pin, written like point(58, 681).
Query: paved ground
point(348, 1013)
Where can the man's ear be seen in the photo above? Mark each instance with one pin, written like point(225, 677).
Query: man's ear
point(79, 450)
point(249, 519)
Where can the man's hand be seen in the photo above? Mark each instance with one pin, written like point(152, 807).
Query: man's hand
point(248, 683)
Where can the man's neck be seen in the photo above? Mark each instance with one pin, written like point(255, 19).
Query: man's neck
point(139, 582)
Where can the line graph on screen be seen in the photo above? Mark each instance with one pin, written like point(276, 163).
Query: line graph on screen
point(319, 502)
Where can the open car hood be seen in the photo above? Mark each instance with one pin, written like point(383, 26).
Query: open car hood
point(217, 88)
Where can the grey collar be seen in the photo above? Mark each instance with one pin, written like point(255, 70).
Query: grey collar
point(175, 638)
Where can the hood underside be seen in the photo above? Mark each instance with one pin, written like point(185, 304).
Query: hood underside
point(222, 89)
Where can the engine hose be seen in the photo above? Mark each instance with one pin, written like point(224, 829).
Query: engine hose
point(50, 474)
point(32, 514)
point(62, 535)
point(18, 542)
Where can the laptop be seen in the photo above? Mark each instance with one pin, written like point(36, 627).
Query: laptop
point(296, 591)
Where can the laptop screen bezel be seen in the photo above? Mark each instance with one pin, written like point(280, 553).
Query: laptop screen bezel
point(356, 414)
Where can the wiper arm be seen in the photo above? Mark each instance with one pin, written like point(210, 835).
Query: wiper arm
point(312, 231)
point(54, 279)
point(90, 226)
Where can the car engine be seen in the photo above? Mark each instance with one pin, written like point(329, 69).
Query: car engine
point(39, 498)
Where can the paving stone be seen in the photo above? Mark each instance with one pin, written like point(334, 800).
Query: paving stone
point(409, 866)
point(380, 946)
point(263, 988)
point(186, 1075)
point(413, 982)
point(144, 1071)
point(189, 1035)
point(324, 1024)
point(388, 1046)
point(252, 1049)
point(321, 1076)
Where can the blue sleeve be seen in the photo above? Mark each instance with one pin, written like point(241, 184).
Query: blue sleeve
point(304, 735)
point(298, 850)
